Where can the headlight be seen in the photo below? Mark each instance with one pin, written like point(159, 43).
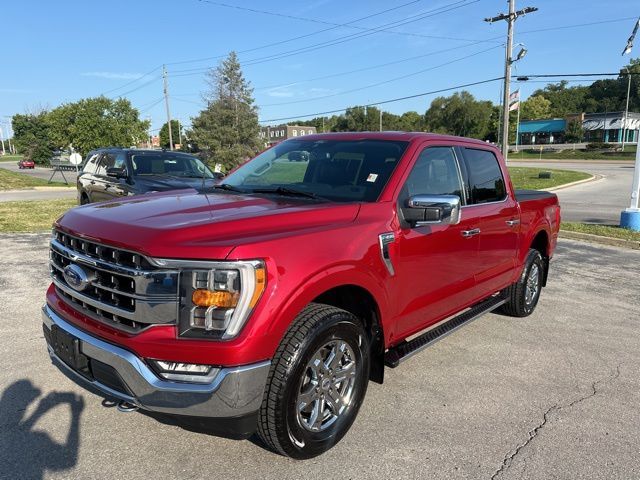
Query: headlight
point(216, 302)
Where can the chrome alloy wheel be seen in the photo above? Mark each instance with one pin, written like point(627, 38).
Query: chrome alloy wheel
point(533, 285)
point(327, 387)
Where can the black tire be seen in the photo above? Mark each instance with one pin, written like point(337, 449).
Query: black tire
point(84, 199)
point(280, 426)
point(520, 303)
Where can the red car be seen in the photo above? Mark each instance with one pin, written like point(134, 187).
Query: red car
point(267, 302)
point(26, 164)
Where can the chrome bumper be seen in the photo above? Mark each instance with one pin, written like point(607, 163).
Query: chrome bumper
point(232, 392)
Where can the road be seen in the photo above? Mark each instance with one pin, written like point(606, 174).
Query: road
point(556, 395)
point(41, 172)
point(595, 202)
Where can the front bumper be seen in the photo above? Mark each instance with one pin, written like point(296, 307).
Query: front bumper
point(118, 373)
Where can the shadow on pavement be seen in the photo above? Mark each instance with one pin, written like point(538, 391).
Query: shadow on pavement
point(26, 452)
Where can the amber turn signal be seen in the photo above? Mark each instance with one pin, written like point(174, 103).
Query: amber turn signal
point(261, 280)
point(207, 298)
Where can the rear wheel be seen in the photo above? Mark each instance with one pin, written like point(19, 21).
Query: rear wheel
point(317, 382)
point(522, 297)
point(84, 199)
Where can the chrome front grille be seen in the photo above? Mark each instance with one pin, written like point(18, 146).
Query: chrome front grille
point(122, 288)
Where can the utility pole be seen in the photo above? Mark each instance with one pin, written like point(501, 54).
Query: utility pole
point(380, 119)
point(166, 102)
point(510, 19)
point(179, 131)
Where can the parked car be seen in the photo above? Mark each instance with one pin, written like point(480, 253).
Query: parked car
point(26, 164)
point(269, 301)
point(120, 172)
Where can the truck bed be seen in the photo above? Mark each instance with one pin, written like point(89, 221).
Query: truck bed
point(524, 195)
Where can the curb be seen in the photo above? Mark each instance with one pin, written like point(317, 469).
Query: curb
point(593, 178)
point(610, 241)
point(39, 189)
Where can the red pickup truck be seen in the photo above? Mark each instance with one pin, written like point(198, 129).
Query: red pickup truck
point(269, 301)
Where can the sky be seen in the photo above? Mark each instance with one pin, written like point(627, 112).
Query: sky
point(57, 52)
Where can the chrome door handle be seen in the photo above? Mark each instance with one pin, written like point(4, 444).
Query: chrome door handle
point(512, 223)
point(470, 233)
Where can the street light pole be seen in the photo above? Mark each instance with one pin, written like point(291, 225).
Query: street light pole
point(166, 102)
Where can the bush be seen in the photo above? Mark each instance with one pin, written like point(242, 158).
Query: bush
point(599, 146)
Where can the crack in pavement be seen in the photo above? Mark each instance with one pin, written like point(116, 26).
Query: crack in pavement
point(508, 459)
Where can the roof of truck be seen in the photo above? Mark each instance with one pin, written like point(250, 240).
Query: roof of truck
point(391, 135)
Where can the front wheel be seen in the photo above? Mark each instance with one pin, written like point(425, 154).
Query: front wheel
point(317, 382)
point(522, 296)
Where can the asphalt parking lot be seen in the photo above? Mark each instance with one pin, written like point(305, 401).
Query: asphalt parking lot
point(556, 395)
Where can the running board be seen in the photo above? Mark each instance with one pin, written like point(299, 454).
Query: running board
point(401, 352)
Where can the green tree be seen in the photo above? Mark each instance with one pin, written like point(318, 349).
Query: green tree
point(535, 107)
point(31, 135)
point(97, 122)
point(164, 133)
point(460, 114)
point(574, 133)
point(227, 130)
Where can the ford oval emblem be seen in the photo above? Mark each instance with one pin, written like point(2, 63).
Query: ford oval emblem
point(76, 277)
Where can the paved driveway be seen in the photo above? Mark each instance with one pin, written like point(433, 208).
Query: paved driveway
point(595, 202)
point(556, 395)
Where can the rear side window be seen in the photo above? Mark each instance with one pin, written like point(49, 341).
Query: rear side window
point(90, 166)
point(485, 177)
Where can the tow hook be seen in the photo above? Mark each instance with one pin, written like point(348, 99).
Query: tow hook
point(126, 407)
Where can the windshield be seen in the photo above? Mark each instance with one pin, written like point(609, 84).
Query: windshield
point(169, 164)
point(337, 170)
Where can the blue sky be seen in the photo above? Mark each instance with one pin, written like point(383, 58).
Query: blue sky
point(61, 51)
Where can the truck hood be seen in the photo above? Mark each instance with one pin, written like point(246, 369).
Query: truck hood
point(187, 224)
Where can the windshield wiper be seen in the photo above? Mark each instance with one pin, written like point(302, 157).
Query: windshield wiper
point(229, 188)
point(287, 191)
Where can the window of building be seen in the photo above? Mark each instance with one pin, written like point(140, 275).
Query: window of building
point(271, 133)
point(309, 132)
point(485, 177)
point(282, 133)
point(294, 132)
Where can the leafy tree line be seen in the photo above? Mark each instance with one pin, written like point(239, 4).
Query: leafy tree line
point(83, 125)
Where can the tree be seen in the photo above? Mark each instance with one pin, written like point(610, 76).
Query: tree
point(164, 133)
point(535, 107)
point(460, 114)
point(227, 130)
point(97, 122)
point(31, 135)
point(574, 133)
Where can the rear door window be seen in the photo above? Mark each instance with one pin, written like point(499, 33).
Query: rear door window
point(486, 182)
point(92, 163)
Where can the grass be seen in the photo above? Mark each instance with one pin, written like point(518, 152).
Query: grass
point(10, 158)
point(628, 154)
point(527, 178)
point(17, 181)
point(601, 230)
point(32, 216)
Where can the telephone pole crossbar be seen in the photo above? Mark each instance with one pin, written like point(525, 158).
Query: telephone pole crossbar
point(510, 18)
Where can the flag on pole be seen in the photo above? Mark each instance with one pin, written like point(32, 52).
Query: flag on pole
point(514, 100)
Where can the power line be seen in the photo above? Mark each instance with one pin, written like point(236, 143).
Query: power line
point(157, 102)
point(137, 88)
point(401, 77)
point(563, 27)
point(131, 82)
point(367, 31)
point(408, 97)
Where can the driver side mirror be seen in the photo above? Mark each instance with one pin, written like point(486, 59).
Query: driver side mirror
point(432, 209)
point(117, 172)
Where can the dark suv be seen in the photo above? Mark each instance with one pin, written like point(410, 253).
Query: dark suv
point(119, 172)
